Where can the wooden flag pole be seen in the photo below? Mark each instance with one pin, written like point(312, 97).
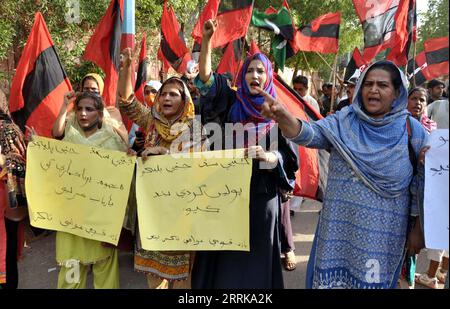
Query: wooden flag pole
point(334, 82)
point(324, 60)
point(309, 69)
point(414, 65)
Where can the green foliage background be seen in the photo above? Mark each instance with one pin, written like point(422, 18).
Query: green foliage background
point(16, 19)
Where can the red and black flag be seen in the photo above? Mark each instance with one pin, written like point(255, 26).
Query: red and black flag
point(209, 12)
point(172, 51)
point(417, 70)
point(321, 35)
point(39, 84)
point(355, 66)
point(307, 180)
point(436, 53)
point(233, 18)
point(103, 48)
point(232, 58)
point(406, 24)
point(253, 48)
point(378, 22)
point(142, 71)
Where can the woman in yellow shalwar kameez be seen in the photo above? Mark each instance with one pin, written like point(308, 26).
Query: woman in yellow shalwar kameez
point(90, 124)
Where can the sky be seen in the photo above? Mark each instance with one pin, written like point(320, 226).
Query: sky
point(422, 6)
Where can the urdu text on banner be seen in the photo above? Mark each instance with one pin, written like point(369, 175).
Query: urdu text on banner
point(78, 189)
point(196, 203)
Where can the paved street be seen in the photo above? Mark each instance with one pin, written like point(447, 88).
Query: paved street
point(39, 270)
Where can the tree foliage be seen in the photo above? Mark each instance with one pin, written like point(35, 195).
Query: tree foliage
point(433, 22)
point(70, 38)
point(16, 19)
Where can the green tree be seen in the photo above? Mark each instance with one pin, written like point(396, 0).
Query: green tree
point(433, 23)
point(70, 38)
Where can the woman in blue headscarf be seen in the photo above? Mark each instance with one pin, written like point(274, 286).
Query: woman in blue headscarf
point(273, 170)
point(373, 188)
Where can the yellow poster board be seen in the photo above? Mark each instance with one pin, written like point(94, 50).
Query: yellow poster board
point(77, 189)
point(197, 203)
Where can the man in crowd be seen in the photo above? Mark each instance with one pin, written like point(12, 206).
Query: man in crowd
point(300, 83)
point(325, 99)
point(435, 90)
point(350, 89)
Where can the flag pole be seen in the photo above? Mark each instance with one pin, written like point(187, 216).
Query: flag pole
point(242, 58)
point(324, 60)
point(414, 65)
point(311, 72)
point(334, 82)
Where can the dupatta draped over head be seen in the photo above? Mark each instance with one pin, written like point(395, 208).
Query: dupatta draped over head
point(162, 132)
point(372, 147)
point(97, 78)
point(107, 136)
point(247, 107)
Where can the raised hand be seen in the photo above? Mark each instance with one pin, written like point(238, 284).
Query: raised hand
point(126, 57)
point(69, 97)
point(209, 27)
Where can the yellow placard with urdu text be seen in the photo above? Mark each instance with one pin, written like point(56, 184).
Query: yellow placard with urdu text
point(196, 203)
point(77, 189)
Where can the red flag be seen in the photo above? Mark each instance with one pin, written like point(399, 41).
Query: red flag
point(231, 59)
point(417, 70)
point(253, 48)
point(104, 48)
point(405, 20)
point(436, 53)
point(378, 22)
point(307, 176)
point(39, 84)
point(142, 71)
point(173, 50)
point(322, 35)
point(356, 63)
point(233, 18)
point(209, 12)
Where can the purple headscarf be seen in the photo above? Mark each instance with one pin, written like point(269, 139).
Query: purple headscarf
point(247, 107)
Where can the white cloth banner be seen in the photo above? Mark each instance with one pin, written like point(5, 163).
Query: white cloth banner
point(436, 191)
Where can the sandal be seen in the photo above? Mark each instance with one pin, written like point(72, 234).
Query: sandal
point(290, 261)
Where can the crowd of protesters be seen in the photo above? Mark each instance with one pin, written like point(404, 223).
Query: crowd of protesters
point(375, 128)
